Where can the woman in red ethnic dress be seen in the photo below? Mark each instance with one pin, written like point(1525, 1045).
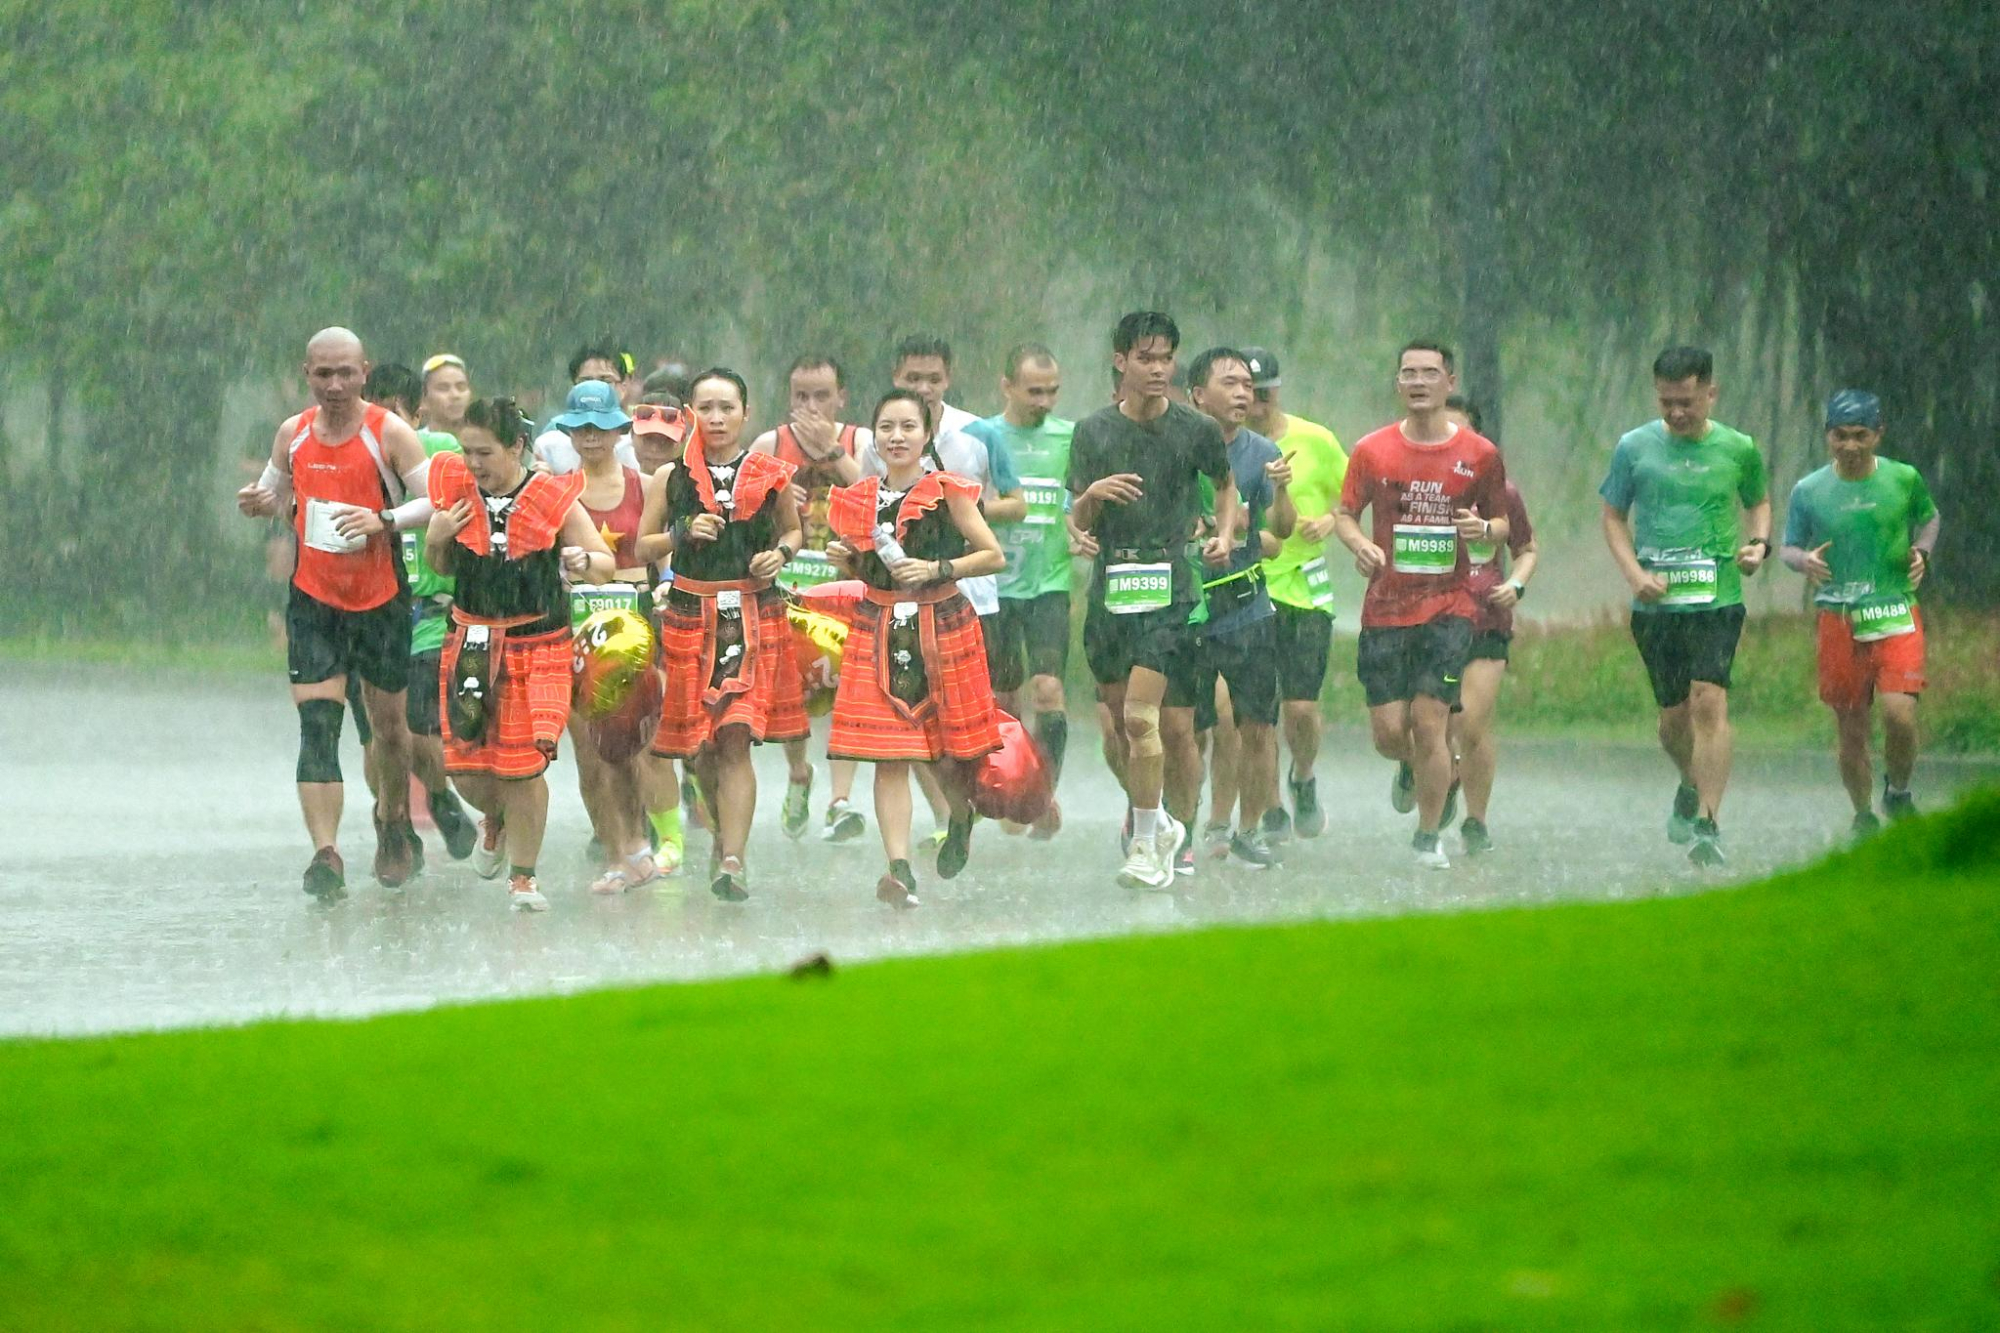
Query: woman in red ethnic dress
point(913, 685)
point(508, 535)
point(726, 518)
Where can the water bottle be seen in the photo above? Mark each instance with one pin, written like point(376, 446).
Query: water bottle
point(886, 544)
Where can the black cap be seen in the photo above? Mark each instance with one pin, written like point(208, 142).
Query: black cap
point(1263, 368)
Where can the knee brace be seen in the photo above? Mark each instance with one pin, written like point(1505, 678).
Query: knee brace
point(319, 740)
point(1142, 730)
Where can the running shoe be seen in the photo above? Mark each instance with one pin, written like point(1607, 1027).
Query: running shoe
point(1185, 863)
point(1277, 825)
point(1153, 860)
point(1403, 790)
point(1450, 806)
point(898, 888)
point(393, 861)
point(637, 870)
point(1706, 850)
point(728, 882)
point(1430, 853)
point(453, 824)
point(1308, 820)
point(667, 856)
point(1473, 837)
point(524, 896)
point(1865, 824)
point(1898, 805)
point(1252, 850)
point(1687, 809)
point(490, 854)
point(1048, 825)
point(956, 849)
point(797, 809)
point(326, 876)
point(1215, 840)
point(843, 822)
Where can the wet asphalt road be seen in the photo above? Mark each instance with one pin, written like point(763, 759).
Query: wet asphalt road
point(151, 877)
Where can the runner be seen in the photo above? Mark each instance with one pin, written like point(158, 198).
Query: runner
point(1134, 473)
point(507, 535)
point(913, 685)
point(608, 749)
point(1495, 592)
point(446, 393)
point(1862, 530)
point(1238, 645)
point(1432, 487)
point(1027, 639)
point(399, 389)
point(1301, 587)
point(726, 517)
point(659, 431)
point(347, 463)
point(822, 448)
point(1671, 520)
point(923, 366)
point(597, 384)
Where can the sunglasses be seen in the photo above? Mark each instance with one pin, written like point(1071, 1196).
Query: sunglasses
point(667, 420)
point(440, 361)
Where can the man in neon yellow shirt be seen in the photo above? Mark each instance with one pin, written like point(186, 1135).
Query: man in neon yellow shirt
point(1300, 584)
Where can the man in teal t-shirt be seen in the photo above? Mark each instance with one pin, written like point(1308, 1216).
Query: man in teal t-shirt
point(399, 389)
point(1028, 640)
point(1861, 530)
point(1680, 493)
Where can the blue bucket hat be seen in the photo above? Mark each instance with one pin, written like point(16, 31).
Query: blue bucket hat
point(592, 403)
point(1854, 407)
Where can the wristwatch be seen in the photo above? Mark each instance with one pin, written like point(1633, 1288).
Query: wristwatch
point(388, 517)
point(786, 551)
point(1764, 542)
point(1520, 588)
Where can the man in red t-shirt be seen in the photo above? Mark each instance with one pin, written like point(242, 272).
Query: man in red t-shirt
point(344, 470)
point(1432, 486)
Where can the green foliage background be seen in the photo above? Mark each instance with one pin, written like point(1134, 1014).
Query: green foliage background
point(189, 189)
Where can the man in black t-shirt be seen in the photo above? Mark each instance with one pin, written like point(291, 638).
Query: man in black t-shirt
point(1135, 470)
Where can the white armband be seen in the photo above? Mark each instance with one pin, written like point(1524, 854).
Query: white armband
point(412, 513)
point(277, 483)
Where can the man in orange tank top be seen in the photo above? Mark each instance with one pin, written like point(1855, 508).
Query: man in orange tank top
point(344, 469)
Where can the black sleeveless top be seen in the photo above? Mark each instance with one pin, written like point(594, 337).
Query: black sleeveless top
point(727, 558)
point(932, 537)
point(500, 587)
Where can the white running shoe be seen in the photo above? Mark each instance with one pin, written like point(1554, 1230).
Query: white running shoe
point(523, 896)
point(491, 853)
point(1137, 872)
point(1430, 852)
point(1151, 864)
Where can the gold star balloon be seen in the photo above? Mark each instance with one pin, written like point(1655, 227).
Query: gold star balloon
point(612, 649)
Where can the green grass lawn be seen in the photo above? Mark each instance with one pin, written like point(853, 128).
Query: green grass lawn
point(1777, 1107)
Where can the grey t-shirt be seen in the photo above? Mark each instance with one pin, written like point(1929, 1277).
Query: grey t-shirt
point(1248, 453)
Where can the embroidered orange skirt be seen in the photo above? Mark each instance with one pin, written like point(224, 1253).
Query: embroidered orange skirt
point(531, 698)
point(726, 669)
point(955, 716)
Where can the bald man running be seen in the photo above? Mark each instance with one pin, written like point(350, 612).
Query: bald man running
point(344, 469)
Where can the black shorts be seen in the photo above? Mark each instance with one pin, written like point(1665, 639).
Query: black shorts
point(1397, 663)
point(1160, 641)
point(1246, 658)
point(1027, 637)
point(1681, 647)
point(1490, 645)
point(421, 706)
point(323, 641)
point(1302, 638)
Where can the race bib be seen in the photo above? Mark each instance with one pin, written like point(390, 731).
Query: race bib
point(411, 550)
point(1319, 582)
point(1887, 618)
point(587, 599)
point(321, 535)
point(1482, 553)
point(1131, 589)
point(808, 569)
point(1424, 549)
point(1691, 580)
point(1045, 501)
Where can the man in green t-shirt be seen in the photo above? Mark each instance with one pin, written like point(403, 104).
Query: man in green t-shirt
point(1861, 530)
point(1028, 638)
point(1301, 586)
point(1672, 521)
point(399, 389)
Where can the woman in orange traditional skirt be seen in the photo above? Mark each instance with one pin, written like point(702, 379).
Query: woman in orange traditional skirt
point(913, 684)
point(726, 518)
point(508, 535)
